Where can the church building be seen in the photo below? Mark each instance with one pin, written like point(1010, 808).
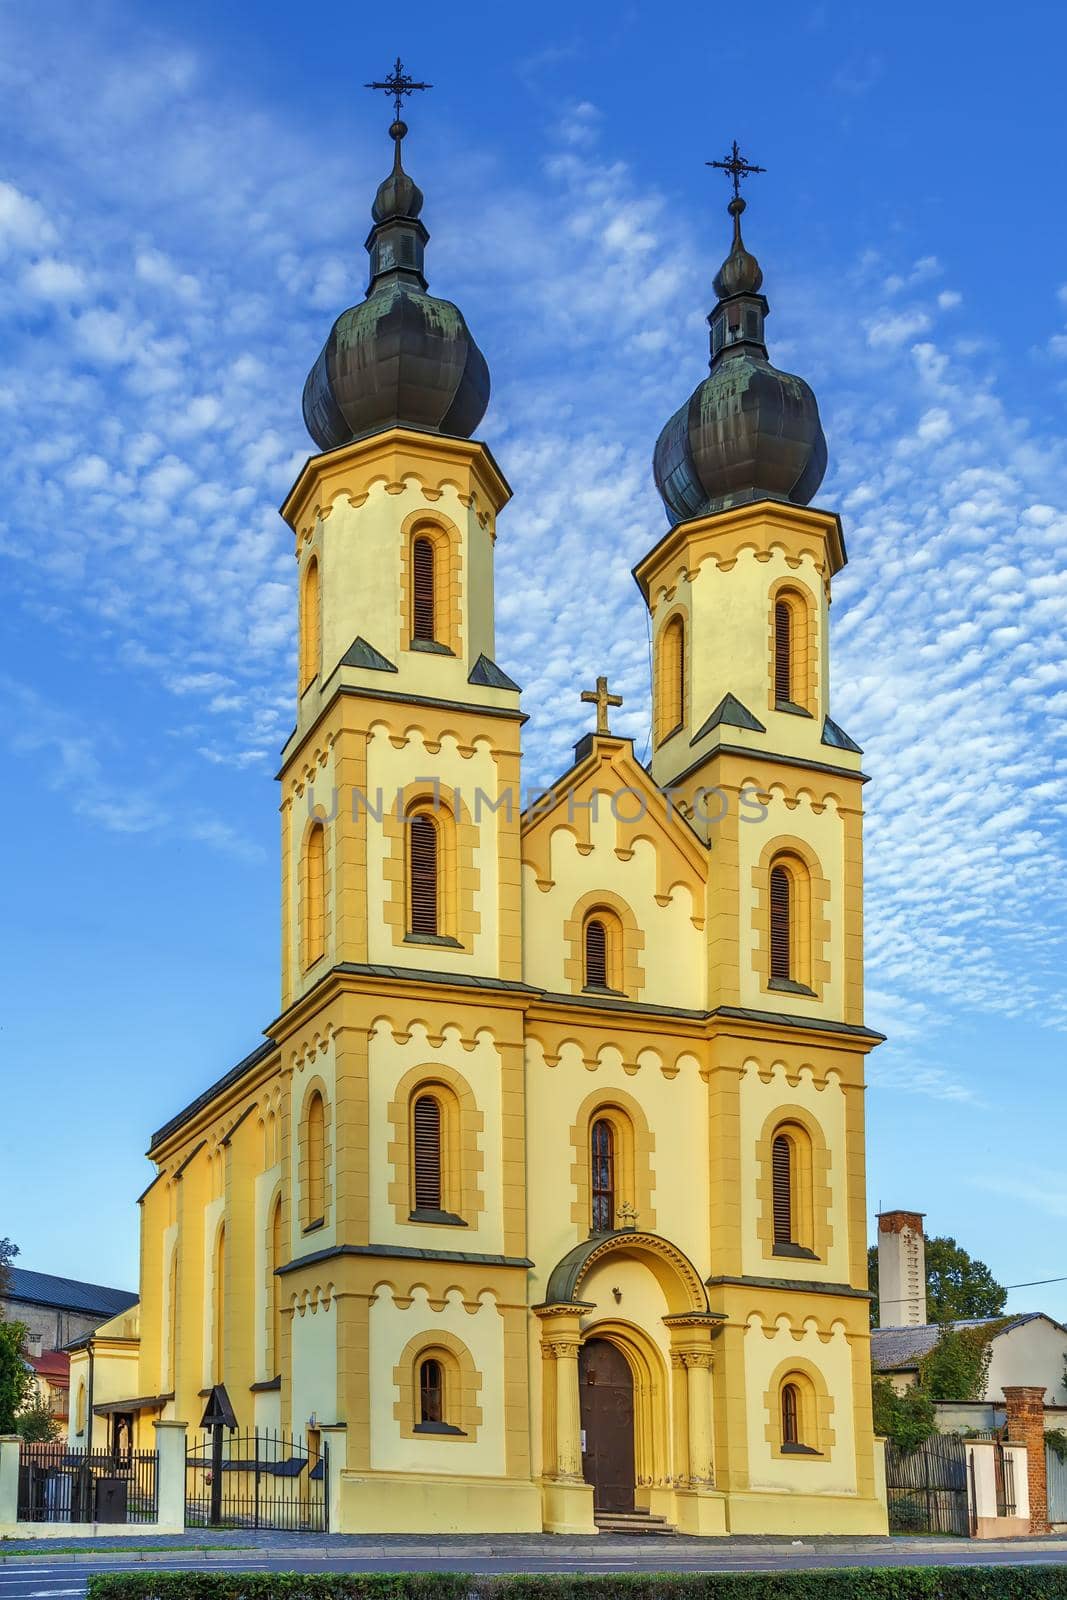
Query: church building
point(543, 1198)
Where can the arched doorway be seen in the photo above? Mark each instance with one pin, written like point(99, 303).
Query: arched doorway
point(606, 1389)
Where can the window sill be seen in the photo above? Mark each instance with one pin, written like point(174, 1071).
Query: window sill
point(444, 1430)
point(667, 737)
point(309, 686)
point(790, 986)
point(431, 647)
point(799, 1450)
point(799, 1252)
point(313, 1227)
point(432, 1216)
point(443, 940)
point(793, 710)
point(602, 988)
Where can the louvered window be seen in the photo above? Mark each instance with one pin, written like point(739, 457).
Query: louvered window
point(790, 1414)
point(426, 1119)
point(782, 1182)
point(423, 885)
point(596, 954)
point(783, 651)
point(310, 642)
point(423, 607)
point(315, 896)
point(602, 1153)
point(431, 1392)
point(672, 671)
point(781, 919)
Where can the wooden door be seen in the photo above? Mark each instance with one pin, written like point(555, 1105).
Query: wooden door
point(607, 1397)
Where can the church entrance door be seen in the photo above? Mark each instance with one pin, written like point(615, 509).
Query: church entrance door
point(607, 1399)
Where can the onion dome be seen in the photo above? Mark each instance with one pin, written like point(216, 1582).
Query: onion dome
point(401, 358)
point(748, 432)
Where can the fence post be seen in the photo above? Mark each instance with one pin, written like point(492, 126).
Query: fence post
point(170, 1475)
point(1025, 1407)
point(10, 1447)
point(335, 1447)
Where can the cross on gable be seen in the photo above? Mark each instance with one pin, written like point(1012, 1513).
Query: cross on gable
point(600, 698)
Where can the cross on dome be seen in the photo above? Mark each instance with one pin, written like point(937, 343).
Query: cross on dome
point(736, 167)
point(398, 84)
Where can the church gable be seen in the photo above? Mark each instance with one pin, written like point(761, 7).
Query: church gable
point(614, 885)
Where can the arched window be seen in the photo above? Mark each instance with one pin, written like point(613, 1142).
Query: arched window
point(783, 652)
point(781, 923)
point(431, 1391)
point(274, 1296)
point(782, 1186)
point(596, 954)
point(314, 906)
point(426, 1152)
point(790, 1415)
point(670, 681)
point(219, 1329)
point(602, 1171)
point(79, 1408)
point(171, 1368)
point(310, 624)
point(423, 590)
point(315, 1148)
point(423, 875)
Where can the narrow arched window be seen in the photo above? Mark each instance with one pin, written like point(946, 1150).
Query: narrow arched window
point(596, 954)
point(782, 1184)
point(790, 1414)
point(426, 1142)
point(783, 652)
point(671, 678)
point(171, 1368)
point(310, 624)
point(274, 1297)
point(315, 1139)
point(423, 876)
point(314, 907)
point(423, 590)
point(781, 923)
point(431, 1391)
point(219, 1329)
point(79, 1409)
point(602, 1163)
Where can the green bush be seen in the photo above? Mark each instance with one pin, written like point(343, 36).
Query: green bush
point(855, 1583)
point(907, 1419)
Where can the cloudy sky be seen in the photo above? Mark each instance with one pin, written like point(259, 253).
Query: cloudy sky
point(184, 193)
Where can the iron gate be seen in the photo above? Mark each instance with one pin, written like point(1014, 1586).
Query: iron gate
point(1056, 1469)
point(927, 1488)
point(57, 1484)
point(255, 1480)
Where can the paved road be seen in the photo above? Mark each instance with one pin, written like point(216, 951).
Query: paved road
point(40, 1578)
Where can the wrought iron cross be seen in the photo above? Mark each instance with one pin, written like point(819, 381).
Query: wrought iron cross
point(397, 85)
point(600, 698)
point(736, 167)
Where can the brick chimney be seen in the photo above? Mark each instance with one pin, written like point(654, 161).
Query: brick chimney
point(901, 1270)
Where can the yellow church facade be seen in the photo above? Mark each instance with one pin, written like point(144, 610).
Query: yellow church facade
point(544, 1198)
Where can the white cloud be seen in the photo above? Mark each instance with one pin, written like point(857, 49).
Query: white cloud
point(23, 222)
point(52, 279)
point(887, 331)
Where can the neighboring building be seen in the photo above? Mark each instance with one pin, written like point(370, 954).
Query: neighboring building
point(104, 1365)
point(57, 1310)
point(548, 1181)
point(1026, 1349)
point(51, 1382)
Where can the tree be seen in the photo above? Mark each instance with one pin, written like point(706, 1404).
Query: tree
point(958, 1285)
point(15, 1376)
point(906, 1419)
point(8, 1252)
point(35, 1422)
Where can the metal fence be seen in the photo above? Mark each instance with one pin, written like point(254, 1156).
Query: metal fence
point(255, 1480)
point(927, 1488)
point(57, 1484)
point(1057, 1486)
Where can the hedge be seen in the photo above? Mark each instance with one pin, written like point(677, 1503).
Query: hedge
point(852, 1583)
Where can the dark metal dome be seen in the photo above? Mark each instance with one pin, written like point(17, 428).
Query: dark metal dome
point(401, 358)
point(748, 432)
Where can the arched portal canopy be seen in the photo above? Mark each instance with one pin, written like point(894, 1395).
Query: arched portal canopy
point(678, 1278)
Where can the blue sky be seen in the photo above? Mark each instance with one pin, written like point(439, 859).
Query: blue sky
point(183, 199)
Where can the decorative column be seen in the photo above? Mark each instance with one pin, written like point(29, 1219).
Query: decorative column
point(567, 1498)
point(698, 1385)
point(1026, 1425)
point(700, 1508)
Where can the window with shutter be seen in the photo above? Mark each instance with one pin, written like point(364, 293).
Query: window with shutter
point(782, 1183)
point(781, 924)
point(310, 625)
point(671, 685)
point(423, 586)
point(596, 954)
point(783, 651)
point(423, 876)
point(314, 908)
point(426, 1139)
point(790, 1414)
point(602, 1162)
point(431, 1392)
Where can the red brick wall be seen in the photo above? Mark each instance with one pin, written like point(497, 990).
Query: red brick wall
point(1026, 1425)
